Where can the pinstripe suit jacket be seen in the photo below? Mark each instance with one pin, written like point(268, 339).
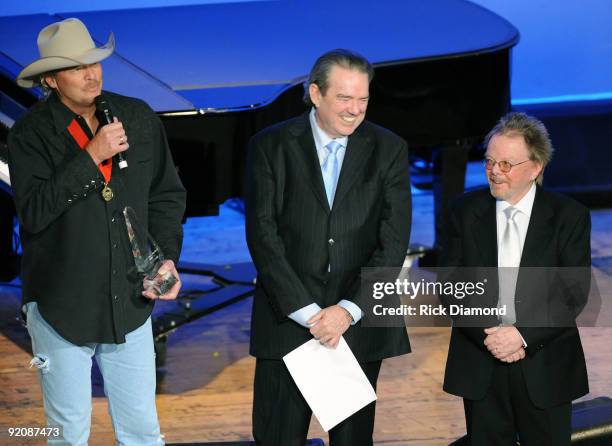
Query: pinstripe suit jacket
point(293, 235)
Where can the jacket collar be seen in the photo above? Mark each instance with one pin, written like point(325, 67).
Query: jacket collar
point(538, 235)
point(484, 229)
point(358, 150)
point(62, 115)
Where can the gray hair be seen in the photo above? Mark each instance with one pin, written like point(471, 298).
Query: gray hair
point(533, 132)
point(319, 74)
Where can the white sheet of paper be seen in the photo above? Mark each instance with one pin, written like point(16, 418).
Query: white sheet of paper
point(331, 381)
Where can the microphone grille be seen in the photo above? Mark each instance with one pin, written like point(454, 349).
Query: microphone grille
point(100, 102)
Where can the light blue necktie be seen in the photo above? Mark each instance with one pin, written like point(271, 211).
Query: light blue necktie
point(331, 170)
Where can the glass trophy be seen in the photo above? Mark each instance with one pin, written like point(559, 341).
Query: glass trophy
point(148, 256)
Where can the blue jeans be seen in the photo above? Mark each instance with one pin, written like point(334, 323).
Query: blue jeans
point(65, 375)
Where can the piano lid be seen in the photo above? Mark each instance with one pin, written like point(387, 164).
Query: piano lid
point(226, 57)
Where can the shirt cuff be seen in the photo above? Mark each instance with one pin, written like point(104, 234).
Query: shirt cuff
point(302, 315)
point(352, 308)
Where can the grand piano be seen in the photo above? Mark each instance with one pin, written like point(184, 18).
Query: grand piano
point(218, 73)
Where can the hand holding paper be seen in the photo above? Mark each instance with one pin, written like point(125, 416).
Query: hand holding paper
point(331, 381)
point(330, 324)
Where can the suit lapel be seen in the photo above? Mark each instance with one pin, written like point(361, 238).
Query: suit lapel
point(484, 231)
point(306, 156)
point(357, 153)
point(538, 232)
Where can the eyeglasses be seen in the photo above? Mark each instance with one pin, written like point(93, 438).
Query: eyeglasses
point(504, 166)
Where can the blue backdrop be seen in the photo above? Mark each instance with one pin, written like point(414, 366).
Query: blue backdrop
point(565, 51)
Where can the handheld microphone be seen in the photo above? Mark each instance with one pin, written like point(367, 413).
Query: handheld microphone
point(105, 116)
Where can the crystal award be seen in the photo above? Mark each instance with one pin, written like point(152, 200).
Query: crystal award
point(148, 256)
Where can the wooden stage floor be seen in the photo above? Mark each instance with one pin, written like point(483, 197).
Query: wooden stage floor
point(205, 389)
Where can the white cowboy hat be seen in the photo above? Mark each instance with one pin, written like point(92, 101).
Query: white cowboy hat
point(64, 44)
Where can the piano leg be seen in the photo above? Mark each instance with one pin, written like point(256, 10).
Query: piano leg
point(9, 260)
point(448, 178)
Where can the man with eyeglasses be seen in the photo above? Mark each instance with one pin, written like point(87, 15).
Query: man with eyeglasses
point(516, 379)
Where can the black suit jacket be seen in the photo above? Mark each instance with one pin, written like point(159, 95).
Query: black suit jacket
point(293, 235)
point(558, 236)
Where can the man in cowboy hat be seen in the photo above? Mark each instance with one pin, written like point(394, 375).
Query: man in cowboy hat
point(81, 296)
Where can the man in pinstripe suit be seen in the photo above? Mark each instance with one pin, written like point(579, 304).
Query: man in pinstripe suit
point(328, 193)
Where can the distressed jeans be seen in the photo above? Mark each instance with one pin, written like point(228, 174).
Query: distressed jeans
point(128, 371)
